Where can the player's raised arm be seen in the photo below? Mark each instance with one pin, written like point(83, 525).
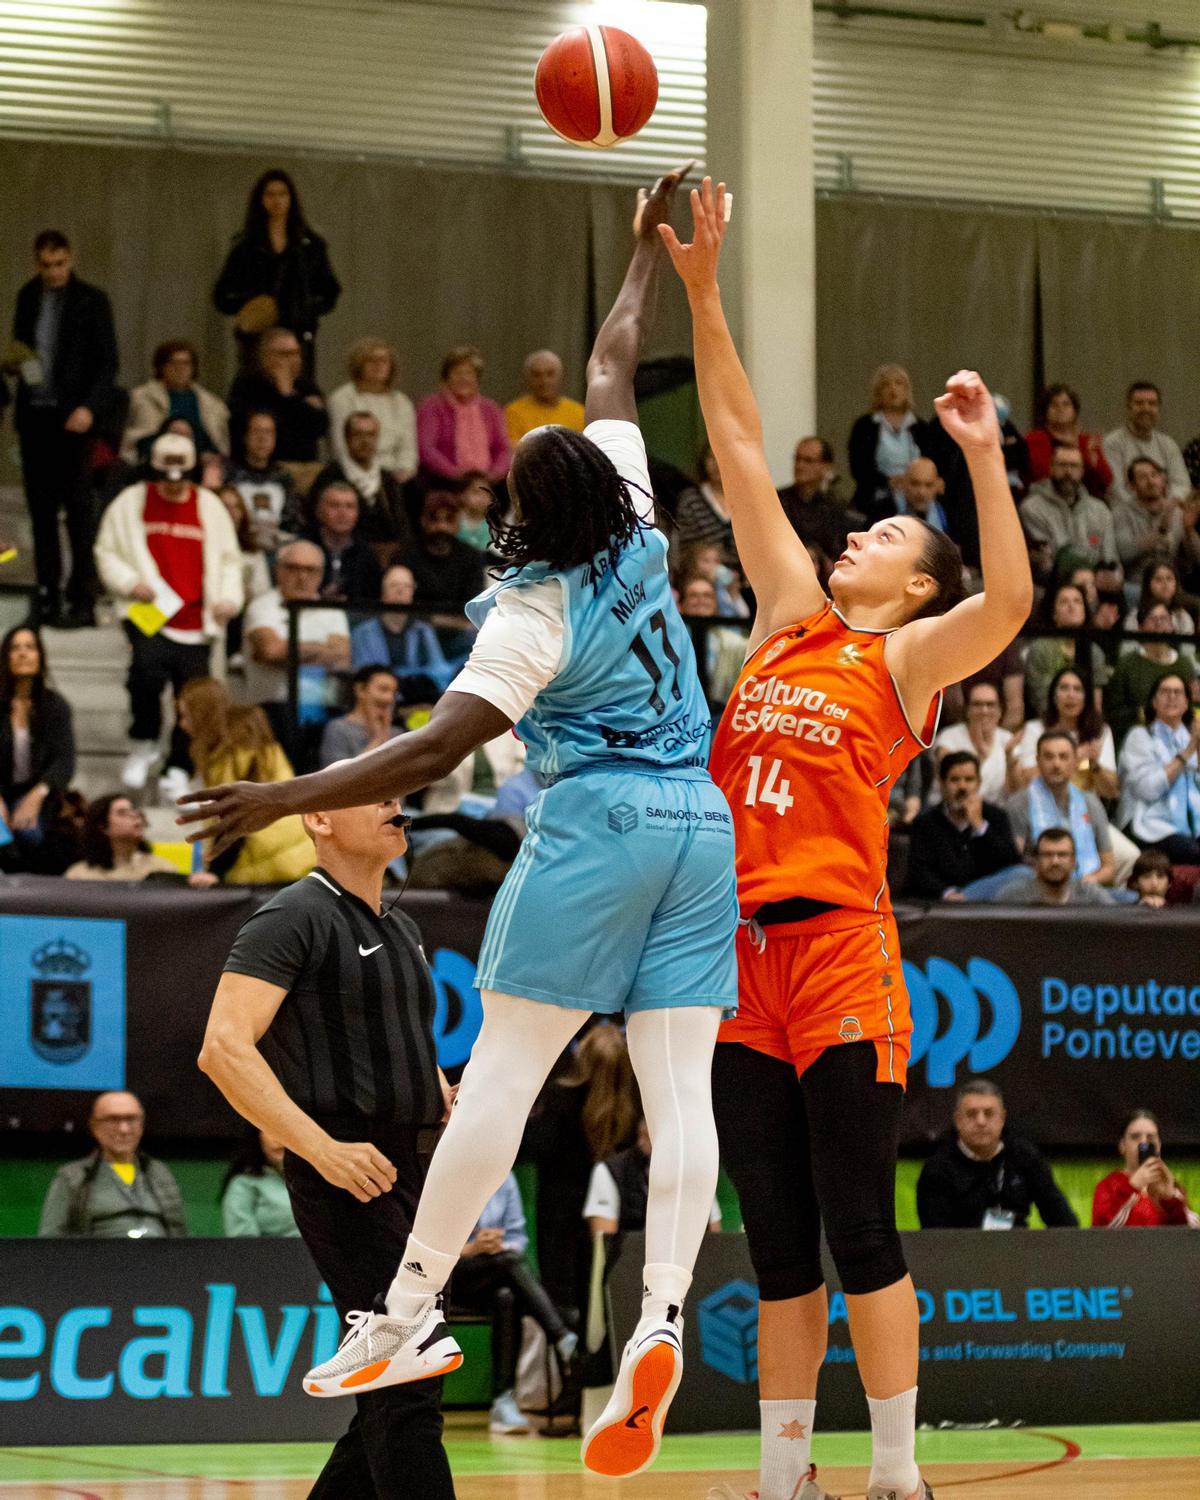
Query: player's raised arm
point(618, 346)
point(776, 561)
point(929, 654)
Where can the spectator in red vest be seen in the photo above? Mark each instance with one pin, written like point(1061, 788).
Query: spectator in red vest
point(1145, 1193)
point(168, 544)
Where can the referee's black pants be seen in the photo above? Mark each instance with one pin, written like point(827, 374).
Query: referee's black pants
point(393, 1446)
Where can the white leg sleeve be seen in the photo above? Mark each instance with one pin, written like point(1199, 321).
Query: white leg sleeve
point(515, 1050)
point(671, 1051)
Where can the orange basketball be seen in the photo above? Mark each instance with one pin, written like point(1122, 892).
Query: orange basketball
point(596, 85)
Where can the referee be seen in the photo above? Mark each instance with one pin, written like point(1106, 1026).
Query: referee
point(321, 1034)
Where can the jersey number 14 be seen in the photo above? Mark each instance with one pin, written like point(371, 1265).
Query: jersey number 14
point(775, 791)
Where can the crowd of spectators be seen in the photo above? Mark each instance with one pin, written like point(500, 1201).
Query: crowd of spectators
point(218, 516)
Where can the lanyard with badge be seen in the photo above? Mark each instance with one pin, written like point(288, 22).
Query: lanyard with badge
point(997, 1217)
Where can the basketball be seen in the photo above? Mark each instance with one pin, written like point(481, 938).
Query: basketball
point(596, 85)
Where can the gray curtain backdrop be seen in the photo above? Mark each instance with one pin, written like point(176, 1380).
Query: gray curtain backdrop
point(426, 259)
point(933, 290)
point(1120, 303)
point(430, 258)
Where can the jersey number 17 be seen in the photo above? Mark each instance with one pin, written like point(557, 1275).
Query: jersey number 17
point(640, 649)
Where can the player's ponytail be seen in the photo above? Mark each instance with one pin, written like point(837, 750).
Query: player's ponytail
point(942, 561)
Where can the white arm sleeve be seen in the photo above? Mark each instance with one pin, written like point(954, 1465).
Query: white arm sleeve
point(625, 446)
point(603, 1196)
point(518, 649)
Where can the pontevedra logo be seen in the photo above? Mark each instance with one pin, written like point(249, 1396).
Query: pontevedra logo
point(984, 1013)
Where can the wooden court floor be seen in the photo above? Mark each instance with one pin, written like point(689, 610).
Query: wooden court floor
point(1087, 1479)
point(1146, 1463)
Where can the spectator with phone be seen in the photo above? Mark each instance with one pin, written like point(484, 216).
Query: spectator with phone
point(1144, 1193)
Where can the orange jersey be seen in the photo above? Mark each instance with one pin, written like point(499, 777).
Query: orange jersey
point(807, 751)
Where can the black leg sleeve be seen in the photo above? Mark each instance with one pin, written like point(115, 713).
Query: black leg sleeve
point(854, 1129)
point(763, 1132)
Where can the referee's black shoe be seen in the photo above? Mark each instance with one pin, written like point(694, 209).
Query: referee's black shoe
point(379, 1351)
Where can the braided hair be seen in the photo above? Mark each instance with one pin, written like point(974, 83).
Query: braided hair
point(570, 504)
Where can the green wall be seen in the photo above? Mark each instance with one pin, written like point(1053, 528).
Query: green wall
point(23, 1183)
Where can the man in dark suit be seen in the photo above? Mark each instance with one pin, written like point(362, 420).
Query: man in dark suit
point(67, 370)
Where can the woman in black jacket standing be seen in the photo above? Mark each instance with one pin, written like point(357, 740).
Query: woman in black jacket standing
point(37, 742)
point(277, 272)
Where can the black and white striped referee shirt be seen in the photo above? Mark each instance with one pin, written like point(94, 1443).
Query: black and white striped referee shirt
point(353, 1037)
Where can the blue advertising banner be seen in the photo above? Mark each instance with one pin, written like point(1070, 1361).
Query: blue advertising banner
point(62, 1003)
point(104, 987)
point(167, 1341)
point(1079, 1015)
point(1034, 1326)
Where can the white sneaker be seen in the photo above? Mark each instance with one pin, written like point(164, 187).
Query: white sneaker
point(505, 1415)
point(380, 1351)
point(886, 1492)
point(626, 1437)
point(142, 758)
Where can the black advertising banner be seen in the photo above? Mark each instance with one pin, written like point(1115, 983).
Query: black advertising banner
point(168, 1341)
point(1032, 1326)
point(163, 1341)
point(105, 988)
point(1077, 1014)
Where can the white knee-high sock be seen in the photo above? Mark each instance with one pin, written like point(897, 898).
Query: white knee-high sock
point(786, 1428)
point(510, 1061)
point(671, 1052)
point(894, 1443)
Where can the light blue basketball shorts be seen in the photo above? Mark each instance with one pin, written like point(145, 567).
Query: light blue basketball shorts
point(622, 898)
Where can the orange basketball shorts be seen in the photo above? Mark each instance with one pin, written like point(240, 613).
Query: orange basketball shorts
point(826, 982)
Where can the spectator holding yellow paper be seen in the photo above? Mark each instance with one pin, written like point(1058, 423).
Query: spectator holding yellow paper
point(169, 553)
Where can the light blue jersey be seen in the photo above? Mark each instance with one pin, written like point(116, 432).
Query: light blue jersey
point(627, 689)
point(623, 895)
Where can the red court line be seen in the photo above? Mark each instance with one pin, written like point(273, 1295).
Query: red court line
point(1071, 1451)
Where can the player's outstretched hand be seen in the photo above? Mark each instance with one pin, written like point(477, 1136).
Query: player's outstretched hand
point(654, 205)
point(697, 262)
point(358, 1167)
point(229, 813)
point(968, 413)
